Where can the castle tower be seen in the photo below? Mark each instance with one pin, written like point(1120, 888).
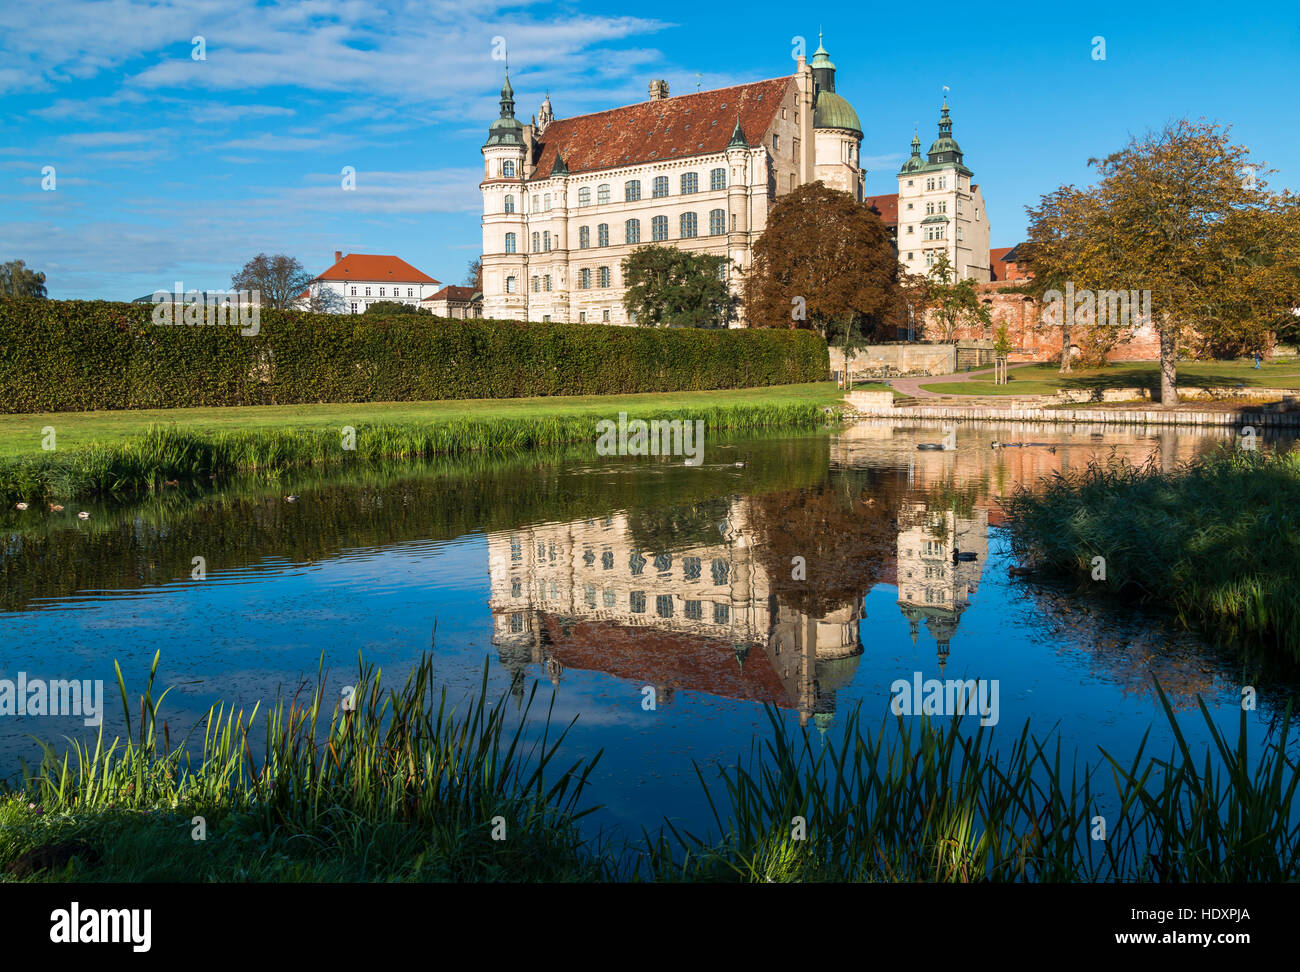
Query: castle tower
point(836, 130)
point(505, 155)
point(941, 210)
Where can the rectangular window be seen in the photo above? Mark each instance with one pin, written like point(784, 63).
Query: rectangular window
point(602, 234)
point(660, 187)
point(546, 282)
point(718, 179)
point(354, 307)
point(690, 226)
point(694, 610)
point(776, 143)
point(633, 230)
point(584, 237)
point(603, 276)
point(636, 601)
point(410, 292)
point(659, 228)
point(582, 319)
point(690, 183)
point(381, 291)
point(631, 191)
point(664, 605)
point(721, 613)
point(604, 316)
point(367, 291)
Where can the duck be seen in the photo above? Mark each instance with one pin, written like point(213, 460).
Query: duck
point(1019, 571)
point(20, 506)
point(172, 482)
point(83, 515)
point(739, 465)
point(56, 508)
point(291, 498)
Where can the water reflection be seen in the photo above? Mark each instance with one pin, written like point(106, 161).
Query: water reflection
point(808, 578)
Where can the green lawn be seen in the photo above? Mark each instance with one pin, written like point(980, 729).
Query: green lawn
point(1046, 379)
point(21, 434)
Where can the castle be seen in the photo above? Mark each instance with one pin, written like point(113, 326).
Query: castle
point(566, 200)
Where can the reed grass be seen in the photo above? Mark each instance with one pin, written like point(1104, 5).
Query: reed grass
point(161, 454)
point(1217, 540)
point(932, 803)
point(405, 787)
point(401, 768)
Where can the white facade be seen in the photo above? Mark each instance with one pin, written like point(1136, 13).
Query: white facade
point(554, 240)
point(940, 210)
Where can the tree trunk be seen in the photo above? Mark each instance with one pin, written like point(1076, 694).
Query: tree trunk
point(1065, 351)
point(1168, 364)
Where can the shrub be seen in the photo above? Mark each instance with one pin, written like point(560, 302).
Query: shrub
point(82, 355)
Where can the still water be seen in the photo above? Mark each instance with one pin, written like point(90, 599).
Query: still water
point(602, 577)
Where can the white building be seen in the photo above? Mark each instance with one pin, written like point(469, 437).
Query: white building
point(941, 210)
point(566, 200)
point(361, 279)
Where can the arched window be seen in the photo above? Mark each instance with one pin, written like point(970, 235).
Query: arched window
point(660, 187)
point(602, 195)
point(584, 196)
point(584, 237)
point(603, 275)
point(510, 242)
point(632, 190)
point(537, 284)
point(718, 179)
point(717, 222)
point(602, 234)
point(508, 169)
point(690, 183)
point(584, 278)
point(510, 204)
point(511, 285)
point(659, 228)
point(690, 226)
point(537, 242)
point(633, 227)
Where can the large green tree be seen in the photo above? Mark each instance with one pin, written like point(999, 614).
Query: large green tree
point(668, 287)
point(824, 262)
point(17, 281)
point(1184, 216)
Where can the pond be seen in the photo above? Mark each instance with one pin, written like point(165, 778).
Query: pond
point(807, 572)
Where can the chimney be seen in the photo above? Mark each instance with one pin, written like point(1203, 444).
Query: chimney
point(338, 255)
point(658, 90)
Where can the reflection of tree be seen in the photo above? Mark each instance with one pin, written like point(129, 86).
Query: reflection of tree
point(1128, 647)
point(845, 531)
point(664, 528)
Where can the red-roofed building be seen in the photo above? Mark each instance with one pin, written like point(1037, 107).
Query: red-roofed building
point(1004, 262)
point(453, 301)
point(357, 280)
point(566, 200)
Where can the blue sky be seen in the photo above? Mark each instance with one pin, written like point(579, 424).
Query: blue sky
point(168, 168)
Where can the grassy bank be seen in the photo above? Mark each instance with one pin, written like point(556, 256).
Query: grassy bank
point(22, 434)
point(403, 787)
point(136, 458)
point(1217, 541)
point(1047, 379)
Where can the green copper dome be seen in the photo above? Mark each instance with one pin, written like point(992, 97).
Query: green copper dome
point(506, 130)
point(832, 111)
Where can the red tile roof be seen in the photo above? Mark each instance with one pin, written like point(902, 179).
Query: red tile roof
point(659, 657)
point(886, 206)
point(372, 266)
point(997, 263)
point(452, 292)
point(671, 128)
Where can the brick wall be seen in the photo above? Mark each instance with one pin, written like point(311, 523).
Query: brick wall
point(1034, 342)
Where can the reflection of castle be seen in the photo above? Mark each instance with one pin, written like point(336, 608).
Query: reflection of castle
point(583, 595)
point(941, 556)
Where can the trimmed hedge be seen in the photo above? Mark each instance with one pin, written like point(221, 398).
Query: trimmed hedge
point(60, 356)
